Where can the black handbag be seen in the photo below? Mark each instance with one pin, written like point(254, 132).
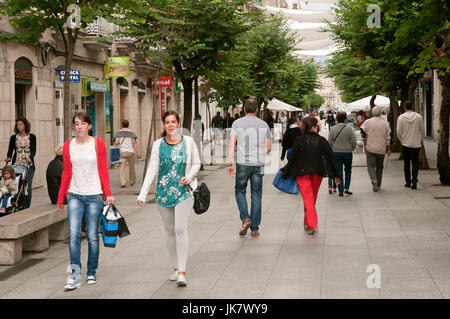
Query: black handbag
point(202, 196)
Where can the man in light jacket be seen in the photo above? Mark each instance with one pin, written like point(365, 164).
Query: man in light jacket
point(410, 132)
point(376, 135)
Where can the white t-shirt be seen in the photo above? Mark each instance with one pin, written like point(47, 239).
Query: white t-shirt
point(85, 178)
point(126, 143)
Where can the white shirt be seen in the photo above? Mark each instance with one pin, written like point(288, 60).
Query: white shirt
point(126, 143)
point(85, 178)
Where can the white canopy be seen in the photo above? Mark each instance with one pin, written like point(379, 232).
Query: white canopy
point(277, 105)
point(364, 104)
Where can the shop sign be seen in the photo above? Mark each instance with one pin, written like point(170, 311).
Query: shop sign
point(97, 86)
point(74, 76)
point(117, 66)
point(163, 103)
point(23, 75)
point(163, 82)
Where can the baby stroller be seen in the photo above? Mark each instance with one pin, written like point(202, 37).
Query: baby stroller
point(18, 200)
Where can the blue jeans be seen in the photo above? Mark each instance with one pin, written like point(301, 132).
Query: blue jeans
point(91, 206)
point(255, 174)
point(344, 164)
point(30, 176)
point(4, 200)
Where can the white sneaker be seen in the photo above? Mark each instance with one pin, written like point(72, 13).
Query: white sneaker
point(174, 276)
point(72, 283)
point(91, 280)
point(181, 281)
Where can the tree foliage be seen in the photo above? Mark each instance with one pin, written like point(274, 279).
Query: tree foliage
point(262, 65)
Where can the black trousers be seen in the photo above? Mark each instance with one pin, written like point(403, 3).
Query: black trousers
point(411, 155)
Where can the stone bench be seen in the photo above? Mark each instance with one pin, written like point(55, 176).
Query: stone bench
point(31, 229)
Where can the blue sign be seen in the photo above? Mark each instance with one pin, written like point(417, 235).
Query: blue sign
point(74, 76)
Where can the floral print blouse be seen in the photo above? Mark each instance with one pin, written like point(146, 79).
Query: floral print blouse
point(23, 150)
point(169, 192)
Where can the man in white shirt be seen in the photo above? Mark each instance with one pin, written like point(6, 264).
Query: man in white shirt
point(128, 151)
point(410, 132)
point(376, 137)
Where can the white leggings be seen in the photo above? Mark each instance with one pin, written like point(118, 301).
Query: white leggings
point(175, 221)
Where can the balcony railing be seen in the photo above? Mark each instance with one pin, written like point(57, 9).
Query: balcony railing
point(100, 28)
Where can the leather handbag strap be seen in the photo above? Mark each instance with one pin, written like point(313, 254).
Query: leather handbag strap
point(334, 140)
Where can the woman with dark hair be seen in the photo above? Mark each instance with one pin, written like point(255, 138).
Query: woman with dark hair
point(84, 181)
point(291, 134)
point(22, 149)
point(174, 161)
point(311, 159)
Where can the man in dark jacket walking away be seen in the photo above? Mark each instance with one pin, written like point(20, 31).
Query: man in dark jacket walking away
point(53, 174)
point(217, 124)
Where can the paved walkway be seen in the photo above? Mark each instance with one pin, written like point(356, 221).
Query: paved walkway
point(403, 232)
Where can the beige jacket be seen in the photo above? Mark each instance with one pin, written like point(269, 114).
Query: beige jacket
point(378, 134)
point(410, 129)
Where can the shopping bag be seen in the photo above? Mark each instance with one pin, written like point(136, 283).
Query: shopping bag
point(112, 214)
point(288, 185)
point(109, 226)
point(114, 152)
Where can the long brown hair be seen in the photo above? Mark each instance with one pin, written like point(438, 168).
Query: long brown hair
point(166, 114)
point(9, 169)
point(85, 118)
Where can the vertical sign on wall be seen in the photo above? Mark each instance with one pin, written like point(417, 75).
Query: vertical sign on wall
point(163, 101)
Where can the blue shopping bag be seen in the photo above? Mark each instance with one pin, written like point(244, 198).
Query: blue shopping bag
point(288, 185)
point(114, 152)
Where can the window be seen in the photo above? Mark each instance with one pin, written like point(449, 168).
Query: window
point(258, 2)
point(295, 5)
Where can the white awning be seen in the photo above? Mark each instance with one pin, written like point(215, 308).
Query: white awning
point(277, 105)
point(364, 104)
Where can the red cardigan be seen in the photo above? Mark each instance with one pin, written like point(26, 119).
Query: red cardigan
point(102, 167)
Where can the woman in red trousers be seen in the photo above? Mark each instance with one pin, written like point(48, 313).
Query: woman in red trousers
point(310, 160)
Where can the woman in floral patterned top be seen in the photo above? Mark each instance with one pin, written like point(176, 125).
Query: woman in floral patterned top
point(174, 162)
point(23, 146)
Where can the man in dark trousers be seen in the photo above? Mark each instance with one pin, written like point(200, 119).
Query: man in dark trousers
point(217, 125)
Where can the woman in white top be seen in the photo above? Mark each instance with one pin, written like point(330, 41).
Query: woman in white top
point(84, 181)
point(175, 162)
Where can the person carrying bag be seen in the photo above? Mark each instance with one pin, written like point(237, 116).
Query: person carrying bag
point(167, 163)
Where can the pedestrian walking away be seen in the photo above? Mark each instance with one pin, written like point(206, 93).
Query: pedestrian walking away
point(84, 182)
point(21, 151)
point(126, 139)
point(291, 133)
point(173, 196)
point(311, 159)
point(331, 121)
point(217, 124)
point(376, 135)
point(254, 141)
point(342, 140)
point(53, 174)
point(410, 132)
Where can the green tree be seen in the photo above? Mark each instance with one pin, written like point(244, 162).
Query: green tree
point(34, 17)
point(190, 35)
point(262, 65)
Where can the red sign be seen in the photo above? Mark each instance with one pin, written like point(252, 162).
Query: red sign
point(163, 102)
point(163, 82)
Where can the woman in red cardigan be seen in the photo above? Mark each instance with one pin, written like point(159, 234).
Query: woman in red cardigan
point(84, 181)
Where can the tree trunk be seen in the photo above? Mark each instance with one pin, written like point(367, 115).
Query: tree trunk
point(69, 47)
point(396, 145)
point(151, 133)
point(372, 101)
point(187, 114)
point(196, 100)
point(443, 158)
